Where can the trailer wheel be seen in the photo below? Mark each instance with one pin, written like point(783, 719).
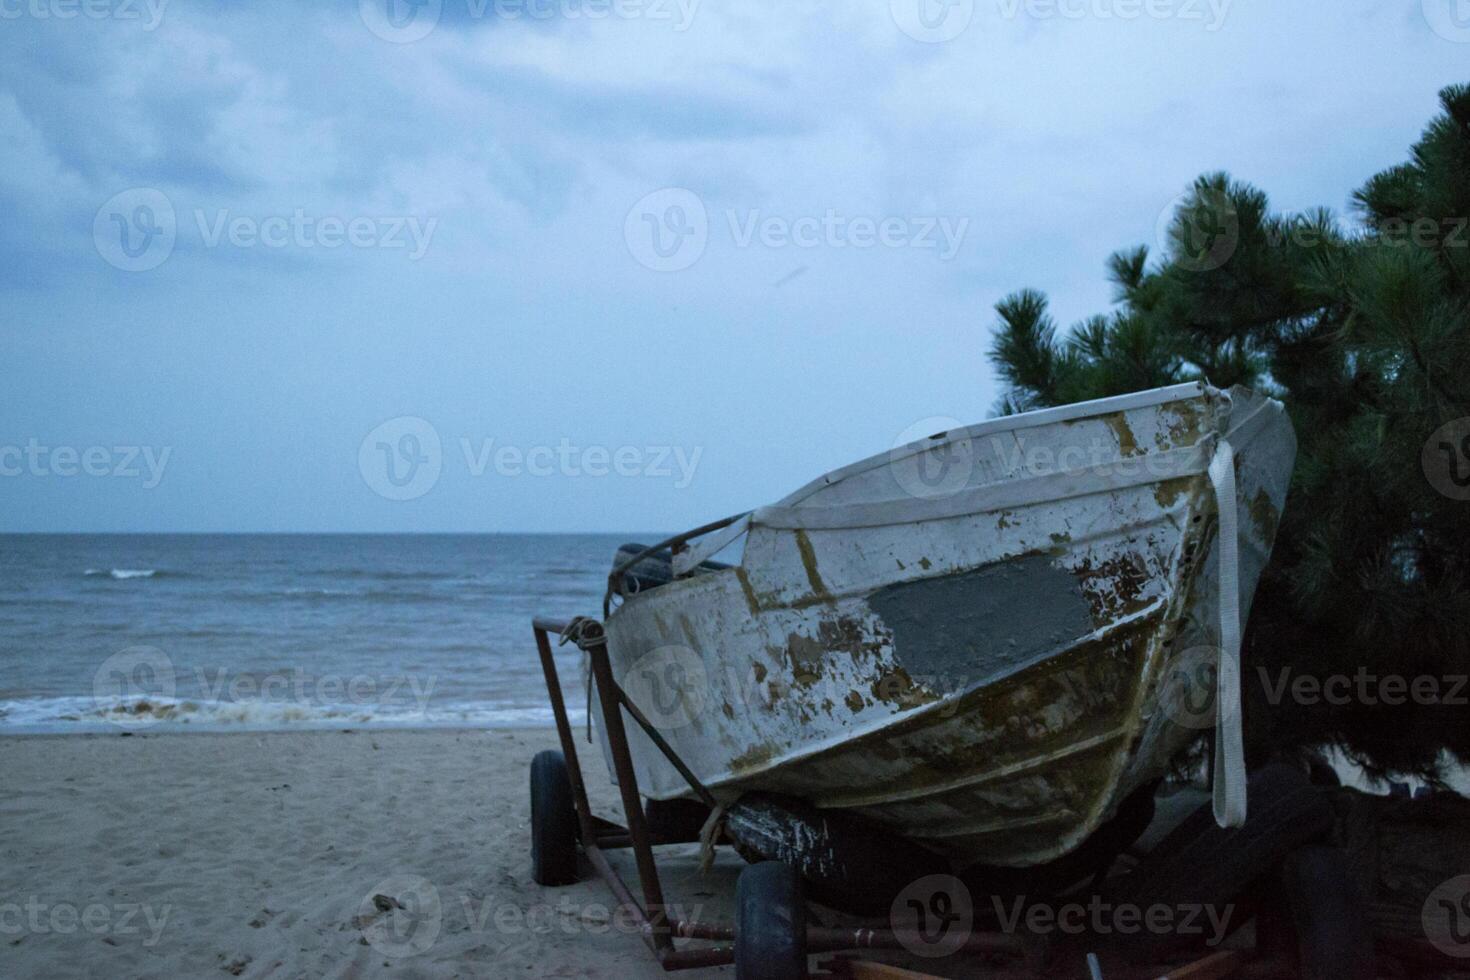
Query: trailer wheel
point(553, 821)
point(770, 923)
point(1334, 938)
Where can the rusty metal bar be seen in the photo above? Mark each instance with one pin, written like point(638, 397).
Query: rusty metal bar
point(705, 796)
point(614, 578)
point(617, 740)
point(564, 733)
point(668, 957)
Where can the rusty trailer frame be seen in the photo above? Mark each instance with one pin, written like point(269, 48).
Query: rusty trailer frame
point(659, 932)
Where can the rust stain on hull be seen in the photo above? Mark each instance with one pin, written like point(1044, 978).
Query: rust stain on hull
point(1127, 442)
point(809, 564)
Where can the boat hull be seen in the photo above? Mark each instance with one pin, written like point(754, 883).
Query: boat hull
point(986, 663)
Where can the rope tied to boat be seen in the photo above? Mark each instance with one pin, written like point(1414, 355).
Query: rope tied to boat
point(709, 835)
point(578, 630)
point(1229, 772)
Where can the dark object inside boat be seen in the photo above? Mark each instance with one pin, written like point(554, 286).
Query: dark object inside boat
point(653, 569)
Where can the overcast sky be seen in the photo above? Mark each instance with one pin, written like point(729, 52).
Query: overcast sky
point(480, 265)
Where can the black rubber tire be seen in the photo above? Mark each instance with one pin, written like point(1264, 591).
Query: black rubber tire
point(770, 923)
point(1201, 864)
point(846, 862)
point(553, 821)
point(1333, 934)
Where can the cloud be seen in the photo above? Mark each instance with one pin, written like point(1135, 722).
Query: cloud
point(527, 141)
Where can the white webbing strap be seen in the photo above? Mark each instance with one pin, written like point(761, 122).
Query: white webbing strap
point(1229, 776)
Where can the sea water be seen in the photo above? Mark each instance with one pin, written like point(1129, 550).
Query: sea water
point(224, 632)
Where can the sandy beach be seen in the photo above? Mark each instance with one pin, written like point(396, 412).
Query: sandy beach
point(259, 855)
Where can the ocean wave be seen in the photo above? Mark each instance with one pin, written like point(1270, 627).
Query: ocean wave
point(80, 714)
point(123, 573)
point(383, 574)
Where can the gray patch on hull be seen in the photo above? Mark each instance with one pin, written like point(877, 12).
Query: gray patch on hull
point(954, 631)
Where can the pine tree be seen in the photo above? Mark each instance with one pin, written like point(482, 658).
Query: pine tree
point(1362, 328)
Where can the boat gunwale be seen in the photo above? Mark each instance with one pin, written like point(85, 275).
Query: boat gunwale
point(1008, 423)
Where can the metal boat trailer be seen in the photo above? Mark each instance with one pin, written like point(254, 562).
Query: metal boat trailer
point(682, 944)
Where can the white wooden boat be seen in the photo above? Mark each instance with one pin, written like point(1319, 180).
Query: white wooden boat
point(984, 640)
